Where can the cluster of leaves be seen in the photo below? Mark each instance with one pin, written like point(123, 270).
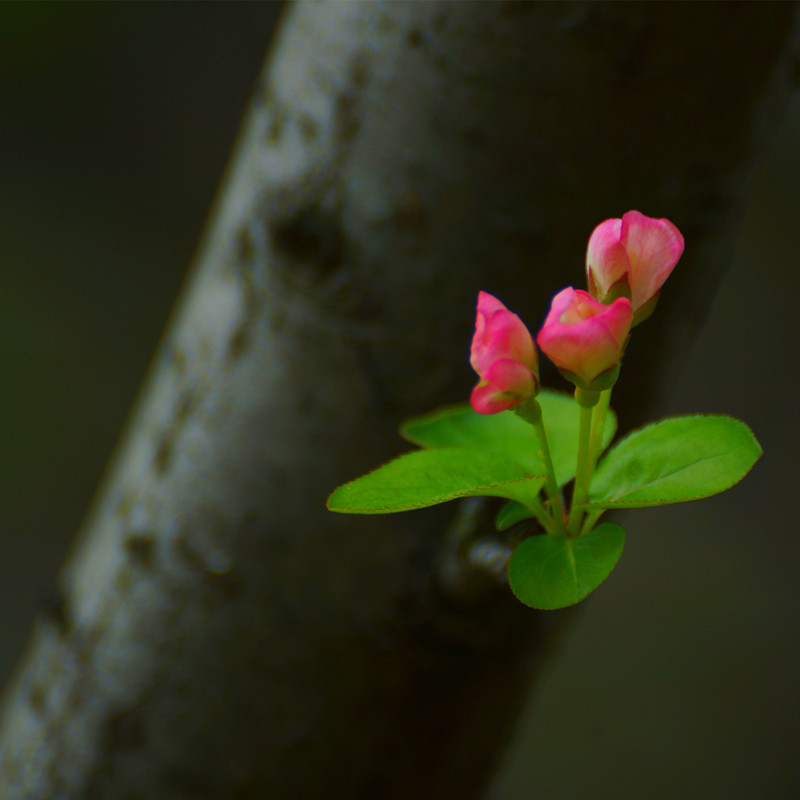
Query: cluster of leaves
point(466, 454)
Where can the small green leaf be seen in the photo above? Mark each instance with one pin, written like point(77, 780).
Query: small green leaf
point(507, 434)
point(550, 572)
point(677, 459)
point(426, 477)
point(510, 514)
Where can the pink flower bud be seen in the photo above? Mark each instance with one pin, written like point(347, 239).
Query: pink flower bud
point(504, 355)
point(585, 338)
point(632, 257)
point(499, 334)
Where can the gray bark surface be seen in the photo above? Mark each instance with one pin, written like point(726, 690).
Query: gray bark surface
point(218, 632)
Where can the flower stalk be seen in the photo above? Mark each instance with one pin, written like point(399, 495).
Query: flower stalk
point(598, 427)
point(531, 412)
point(587, 400)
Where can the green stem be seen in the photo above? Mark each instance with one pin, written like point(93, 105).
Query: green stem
point(595, 448)
point(591, 519)
point(598, 427)
point(587, 400)
point(531, 412)
point(541, 516)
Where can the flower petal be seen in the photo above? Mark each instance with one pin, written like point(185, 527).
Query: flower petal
point(500, 334)
point(606, 258)
point(654, 247)
point(505, 384)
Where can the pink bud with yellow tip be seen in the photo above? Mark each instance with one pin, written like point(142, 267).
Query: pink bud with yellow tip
point(585, 338)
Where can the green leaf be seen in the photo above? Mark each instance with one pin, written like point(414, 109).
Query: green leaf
point(507, 434)
point(426, 477)
point(677, 459)
point(510, 514)
point(550, 572)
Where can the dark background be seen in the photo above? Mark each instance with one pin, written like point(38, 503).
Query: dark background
point(679, 678)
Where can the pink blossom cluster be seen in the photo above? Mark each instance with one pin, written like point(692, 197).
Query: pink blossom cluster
point(584, 333)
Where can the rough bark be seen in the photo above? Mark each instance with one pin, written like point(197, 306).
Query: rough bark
point(218, 633)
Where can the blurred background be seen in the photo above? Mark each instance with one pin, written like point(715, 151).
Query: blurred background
point(680, 677)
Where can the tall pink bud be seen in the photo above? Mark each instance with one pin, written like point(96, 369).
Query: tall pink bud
point(632, 257)
point(585, 338)
point(504, 356)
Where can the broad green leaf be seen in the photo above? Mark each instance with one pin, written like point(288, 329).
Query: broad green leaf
point(677, 459)
point(510, 514)
point(507, 434)
point(426, 477)
point(550, 572)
